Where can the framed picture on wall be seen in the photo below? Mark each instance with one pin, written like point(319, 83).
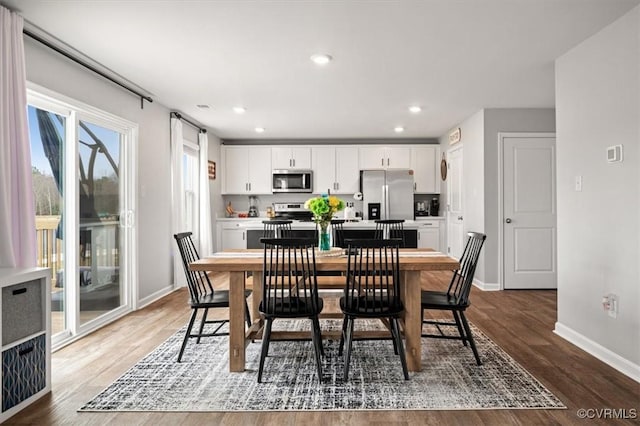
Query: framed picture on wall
point(454, 136)
point(212, 170)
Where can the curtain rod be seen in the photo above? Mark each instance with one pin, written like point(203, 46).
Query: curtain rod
point(88, 66)
point(180, 117)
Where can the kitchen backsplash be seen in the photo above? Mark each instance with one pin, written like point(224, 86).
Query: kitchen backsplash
point(240, 203)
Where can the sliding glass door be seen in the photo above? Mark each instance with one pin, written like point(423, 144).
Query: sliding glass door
point(83, 178)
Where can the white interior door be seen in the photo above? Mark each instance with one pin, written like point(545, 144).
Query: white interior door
point(455, 224)
point(529, 212)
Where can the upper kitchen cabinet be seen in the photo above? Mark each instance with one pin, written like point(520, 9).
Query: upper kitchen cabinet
point(247, 170)
point(385, 157)
point(333, 169)
point(291, 157)
point(426, 169)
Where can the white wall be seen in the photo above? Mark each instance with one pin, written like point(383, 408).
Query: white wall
point(479, 137)
point(498, 120)
point(598, 105)
point(50, 70)
point(215, 186)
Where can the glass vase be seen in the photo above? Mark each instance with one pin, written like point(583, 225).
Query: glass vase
point(324, 238)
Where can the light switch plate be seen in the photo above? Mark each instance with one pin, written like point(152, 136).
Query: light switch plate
point(578, 184)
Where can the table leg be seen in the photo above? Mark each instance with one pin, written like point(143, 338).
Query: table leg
point(410, 289)
point(256, 296)
point(236, 321)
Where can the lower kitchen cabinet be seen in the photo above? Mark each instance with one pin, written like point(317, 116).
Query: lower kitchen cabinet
point(429, 234)
point(234, 239)
point(26, 337)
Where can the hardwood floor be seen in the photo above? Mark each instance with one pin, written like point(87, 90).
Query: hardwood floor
point(521, 322)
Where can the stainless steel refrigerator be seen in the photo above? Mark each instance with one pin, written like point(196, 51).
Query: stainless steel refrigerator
point(387, 194)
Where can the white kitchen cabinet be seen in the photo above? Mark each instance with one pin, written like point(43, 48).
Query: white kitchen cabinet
point(291, 157)
point(333, 169)
point(429, 234)
point(234, 239)
point(426, 169)
point(246, 170)
point(384, 157)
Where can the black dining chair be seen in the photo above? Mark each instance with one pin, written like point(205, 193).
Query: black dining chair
point(202, 294)
point(390, 228)
point(338, 232)
point(290, 290)
point(276, 228)
point(372, 290)
point(456, 298)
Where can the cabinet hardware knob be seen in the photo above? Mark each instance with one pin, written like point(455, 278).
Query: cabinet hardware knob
point(459, 217)
point(508, 220)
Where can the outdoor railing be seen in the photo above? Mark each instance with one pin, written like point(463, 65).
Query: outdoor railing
point(99, 245)
point(49, 248)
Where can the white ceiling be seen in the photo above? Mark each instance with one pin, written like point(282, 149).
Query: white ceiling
point(452, 57)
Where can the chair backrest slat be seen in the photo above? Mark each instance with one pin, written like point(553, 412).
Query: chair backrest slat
point(390, 229)
point(462, 279)
point(338, 232)
point(289, 276)
point(373, 275)
point(197, 281)
point(276, 228)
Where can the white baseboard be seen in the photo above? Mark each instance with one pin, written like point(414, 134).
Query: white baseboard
point(486, 286)
point(155, 296)
point(605, 355)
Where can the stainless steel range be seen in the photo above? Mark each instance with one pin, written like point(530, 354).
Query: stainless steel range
point(293, 211)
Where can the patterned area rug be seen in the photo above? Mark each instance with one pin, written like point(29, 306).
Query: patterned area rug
point(449, 380)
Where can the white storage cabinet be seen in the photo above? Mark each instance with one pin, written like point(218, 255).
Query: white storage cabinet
point(26, 337)
point(246, 170)
point(384, 157)
point(334, 170)
point(291, 157)
point(425, 163)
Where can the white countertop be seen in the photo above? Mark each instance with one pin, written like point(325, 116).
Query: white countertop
point(256, 223)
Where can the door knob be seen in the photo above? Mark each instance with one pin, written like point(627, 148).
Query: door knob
point(508, 220)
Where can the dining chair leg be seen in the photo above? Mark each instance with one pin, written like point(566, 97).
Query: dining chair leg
point(400, 346)
point(393, 339)
point(463, 336)
point(348, 343)
point(188, 333)
point(202, 323)
point(266, 336)
point(317, 343)
point(342, 336)
point(316, 323)
point(247, 315)
point(470, 337)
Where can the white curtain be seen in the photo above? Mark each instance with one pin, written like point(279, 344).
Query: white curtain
point(17, 208)
point(205, 205)
point(176, 196)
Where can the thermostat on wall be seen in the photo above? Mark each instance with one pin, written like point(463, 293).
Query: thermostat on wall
point(614, 154)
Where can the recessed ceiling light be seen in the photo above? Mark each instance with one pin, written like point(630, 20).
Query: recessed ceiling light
point(415, 109)
point(203, 106)
point(239, 110)
point(259, 129)
point(398, 129)
point(321, 58)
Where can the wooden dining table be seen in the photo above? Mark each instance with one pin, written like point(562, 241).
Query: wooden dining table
point(238, 262)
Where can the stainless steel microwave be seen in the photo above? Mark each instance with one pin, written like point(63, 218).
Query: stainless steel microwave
point(292, 181)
